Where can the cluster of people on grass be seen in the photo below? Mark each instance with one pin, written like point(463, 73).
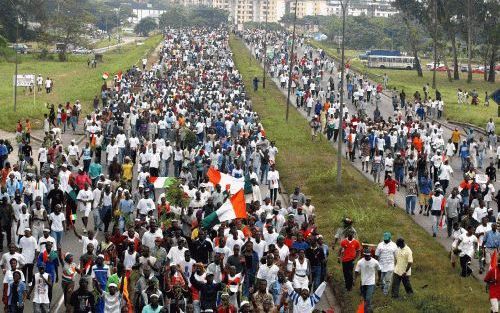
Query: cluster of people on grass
point(403, 150)
point(144, 248)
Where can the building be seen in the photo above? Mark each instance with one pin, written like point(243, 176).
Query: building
point(143, 10)
point(372, 8)
point(242, 11)
point(309, 8)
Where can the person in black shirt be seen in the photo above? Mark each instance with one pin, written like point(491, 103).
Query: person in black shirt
point(55, 196)
point(208, 291)
point(316, 257)
point(235, 260)
point(27, 151)
point(202, 248)
point(82, 300)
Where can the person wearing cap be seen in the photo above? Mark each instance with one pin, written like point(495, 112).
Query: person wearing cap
point(348, 253)
point(154, 306)
point(402, 269)
point(368, 268)
point(49, 260)
point(385, 255)
point(41, 285)
point(27, 247)
point(100, 273)
point(208, 290)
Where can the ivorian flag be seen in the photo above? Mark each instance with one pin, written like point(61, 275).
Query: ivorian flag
point(225, 181)
point(119, 76)
point(233, 208)
point(105, 75)
point(161, 182)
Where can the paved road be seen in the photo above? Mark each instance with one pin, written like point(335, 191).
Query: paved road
point(125, 41)
point(386, 110)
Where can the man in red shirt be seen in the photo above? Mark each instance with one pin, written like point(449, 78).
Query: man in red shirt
point(348, 253)
point(391, 185)
point(492, 278)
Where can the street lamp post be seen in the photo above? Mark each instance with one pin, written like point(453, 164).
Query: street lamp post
point(265, 49)
point(343, 4)
point(15, 51)
point(291, 62)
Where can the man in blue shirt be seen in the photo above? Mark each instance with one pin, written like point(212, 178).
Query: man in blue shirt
point(49, 260)
point(4, 153)
point(17, 293)
point(100, 273)
point(491, 242)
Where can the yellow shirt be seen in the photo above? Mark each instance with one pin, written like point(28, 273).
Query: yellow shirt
point(455, 136)
point(127, 171)
point(403, 257)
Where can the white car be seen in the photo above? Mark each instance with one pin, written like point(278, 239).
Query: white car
point(81, 51)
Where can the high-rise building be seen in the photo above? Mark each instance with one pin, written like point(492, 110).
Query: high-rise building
point(309, 7)
point(372, 8)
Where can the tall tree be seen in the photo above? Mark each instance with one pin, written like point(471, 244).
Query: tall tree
point(68, 23)
point(145, 26)
point(410, 10)
point(448, 12)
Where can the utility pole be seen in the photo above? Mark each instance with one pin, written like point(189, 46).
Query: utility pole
point(291, 62)
point(15, 51)
point(341, 86)
point(265, 48)
point(434, 17)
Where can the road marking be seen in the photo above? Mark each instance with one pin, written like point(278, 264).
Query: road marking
point(59, 303)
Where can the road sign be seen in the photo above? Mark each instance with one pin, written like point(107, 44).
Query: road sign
point(24, 80)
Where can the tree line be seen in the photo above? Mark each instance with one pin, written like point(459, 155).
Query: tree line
point(449, 30)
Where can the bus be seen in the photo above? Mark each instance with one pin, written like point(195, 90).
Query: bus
point(394, 62)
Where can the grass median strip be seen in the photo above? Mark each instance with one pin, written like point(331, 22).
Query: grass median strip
point(73, 80)
point(312, 165)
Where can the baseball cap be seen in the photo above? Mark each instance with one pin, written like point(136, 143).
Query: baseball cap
point(387, 235)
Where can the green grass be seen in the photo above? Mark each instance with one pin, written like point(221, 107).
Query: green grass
point(312, 166)
point(73, 80)
point(103, 43)
point(410, 82)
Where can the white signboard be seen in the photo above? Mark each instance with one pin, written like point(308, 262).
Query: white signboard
point(25, 80)
point(481, 178)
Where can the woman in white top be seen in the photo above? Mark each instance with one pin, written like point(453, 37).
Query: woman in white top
point(301, 271)
point(273, 178)
point(436, 201)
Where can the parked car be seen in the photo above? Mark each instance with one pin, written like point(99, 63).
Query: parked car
point(20, 48)
point(81, 51)
point(430, 66)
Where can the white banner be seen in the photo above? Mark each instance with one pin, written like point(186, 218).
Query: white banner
point(25, 80)
point(481, 178)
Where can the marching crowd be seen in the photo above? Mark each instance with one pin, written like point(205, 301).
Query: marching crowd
point(408, 151)
point(147, 241)
point(145, 248)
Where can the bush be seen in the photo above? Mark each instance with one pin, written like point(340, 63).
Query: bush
point(45, 55)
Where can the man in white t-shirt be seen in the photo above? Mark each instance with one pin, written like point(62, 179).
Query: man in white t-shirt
point(28, 246)
point(166, 156)
point(368, 268)
point(467, 247)
point(268, 271)
point(177, 253)
point(385, 254)
point(40, 285)
point(85, 197)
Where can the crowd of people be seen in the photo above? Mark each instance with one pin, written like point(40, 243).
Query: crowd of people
point(408, 150)
point(143, 249)
point(146, 249)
